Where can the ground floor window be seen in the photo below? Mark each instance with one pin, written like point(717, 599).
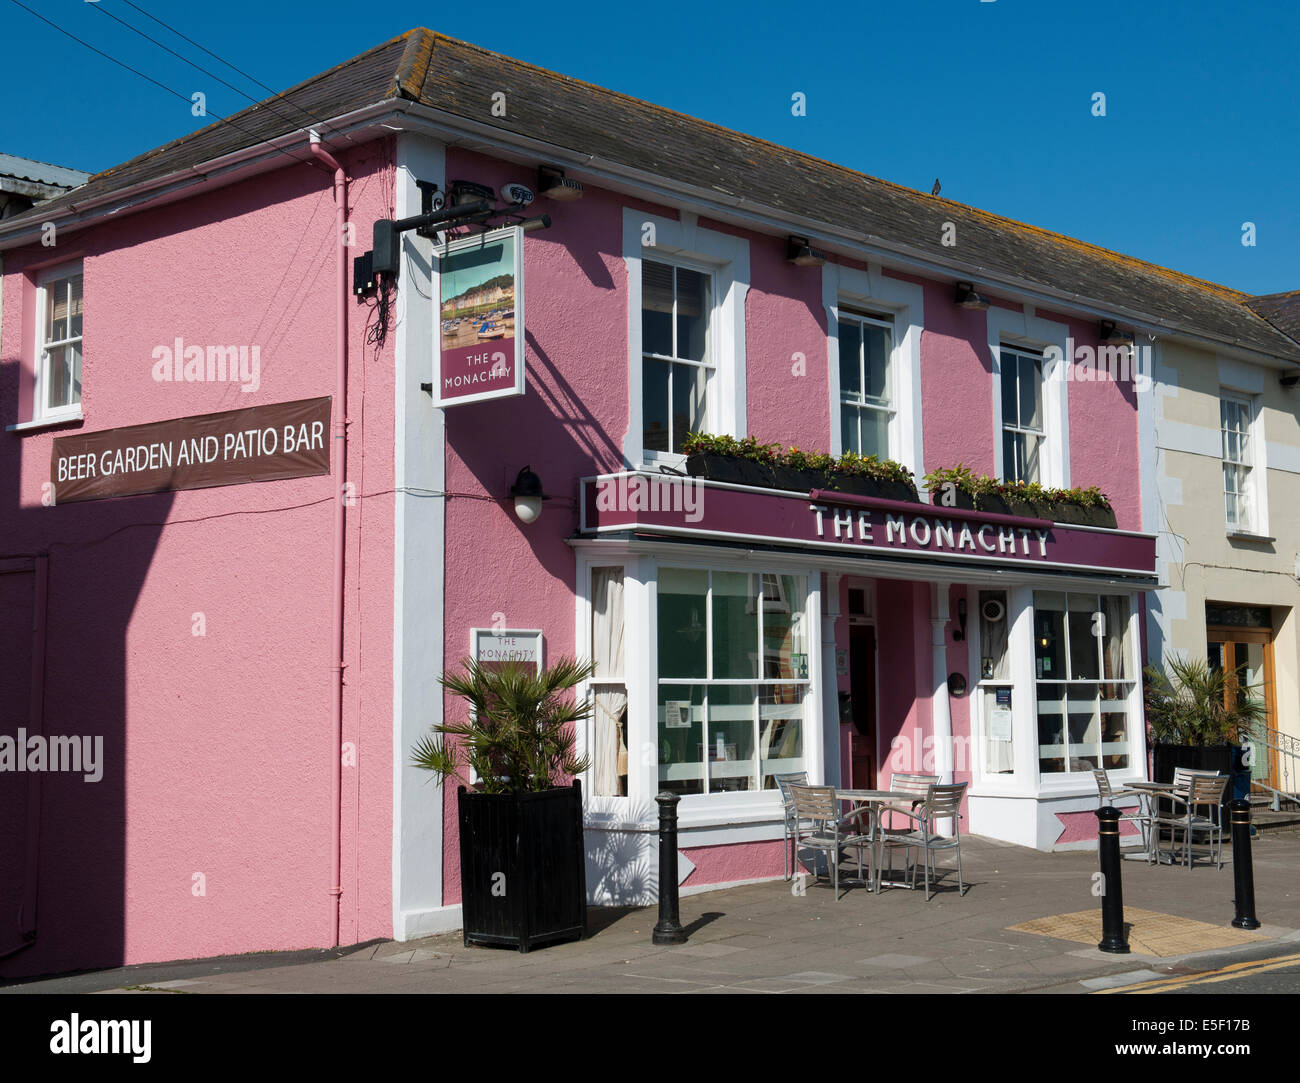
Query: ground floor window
point(1084, 680)
point(732, 681)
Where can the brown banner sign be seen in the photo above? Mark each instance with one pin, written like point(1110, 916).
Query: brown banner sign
point(258, 443)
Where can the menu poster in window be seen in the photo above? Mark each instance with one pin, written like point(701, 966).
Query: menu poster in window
point(677, 714)
point(480, 344)
point(494, 648)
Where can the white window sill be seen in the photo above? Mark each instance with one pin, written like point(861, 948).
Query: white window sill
point(1240, 534)
point(46, 422)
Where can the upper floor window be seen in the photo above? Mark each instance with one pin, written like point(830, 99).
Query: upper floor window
point(1235, 425)
point(58, 347)
point(866, 344)
point(677, 361)
point(1023, 432)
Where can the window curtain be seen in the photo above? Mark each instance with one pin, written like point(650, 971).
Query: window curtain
point(609, 748)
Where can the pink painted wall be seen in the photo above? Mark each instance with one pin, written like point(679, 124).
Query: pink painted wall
point(218, 747)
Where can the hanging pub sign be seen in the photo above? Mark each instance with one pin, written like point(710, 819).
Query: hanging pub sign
point(480, 344)
point(257, 443)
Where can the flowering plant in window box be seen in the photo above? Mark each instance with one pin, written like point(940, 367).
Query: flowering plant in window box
point(522, 863)
point(979, 492)
point(749, 462)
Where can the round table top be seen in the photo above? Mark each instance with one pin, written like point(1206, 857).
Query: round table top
point(1149, 785)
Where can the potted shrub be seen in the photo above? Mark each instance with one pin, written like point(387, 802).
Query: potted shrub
point(1082, 507)
point(522, 860)
point(1191, 721)
point(967, 490)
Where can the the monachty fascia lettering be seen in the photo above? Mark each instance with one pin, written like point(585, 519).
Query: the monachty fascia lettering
point(928, 532)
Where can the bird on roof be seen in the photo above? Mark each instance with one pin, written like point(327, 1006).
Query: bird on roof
point(935, 190)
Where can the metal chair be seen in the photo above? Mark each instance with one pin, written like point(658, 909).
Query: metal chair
point(1203, 790)
point(942, 802)
point(784, 784)
point(1142, 817)
point(820, 828)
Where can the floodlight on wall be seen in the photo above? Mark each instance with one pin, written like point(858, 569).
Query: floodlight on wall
point(1289, 380)
point(799, 252)
point(1110, 335)
point(967, 297)
point(465, 192)
point(554, 184)
point(528, 495)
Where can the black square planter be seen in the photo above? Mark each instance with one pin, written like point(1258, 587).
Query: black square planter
point(522, 867)
point(1197, 758)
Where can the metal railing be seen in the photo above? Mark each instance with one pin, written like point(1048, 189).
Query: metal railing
point(1274, 761)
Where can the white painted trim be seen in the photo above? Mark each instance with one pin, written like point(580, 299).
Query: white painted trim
point(1027, 329)
point(416, 924)
point(1190, 439)
point(419, 469)
point(906, 301)
point(727, 259)
point(47, 422)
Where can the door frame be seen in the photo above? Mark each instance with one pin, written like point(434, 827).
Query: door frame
point(1230, 635)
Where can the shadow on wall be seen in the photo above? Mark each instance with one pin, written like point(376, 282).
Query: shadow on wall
point(62, 833)
point(623, 865)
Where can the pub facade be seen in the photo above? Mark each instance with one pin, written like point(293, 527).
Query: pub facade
point(257, 632)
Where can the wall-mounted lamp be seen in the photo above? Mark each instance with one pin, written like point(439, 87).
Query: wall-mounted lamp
point(528, 495)
point(464, 192)
point(1112, 335)
point(553, 183)
point(1290, 380)
point(799, 252)
point(968, 298)
point(960, 633)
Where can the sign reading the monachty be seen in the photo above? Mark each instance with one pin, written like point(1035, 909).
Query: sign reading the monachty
point(257, 443)
point(480, 346)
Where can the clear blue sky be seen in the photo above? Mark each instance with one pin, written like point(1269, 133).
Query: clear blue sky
point(994, 98)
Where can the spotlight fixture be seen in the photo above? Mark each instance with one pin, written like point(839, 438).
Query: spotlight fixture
point(1112, 335)
point(553, 183)
point(463, 192)
point(799, 252)
point(528, 495)
point(1290, 380)
point(968, 298)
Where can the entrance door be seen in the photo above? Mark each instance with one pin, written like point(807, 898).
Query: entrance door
point(1246, 654)
point(862, 696)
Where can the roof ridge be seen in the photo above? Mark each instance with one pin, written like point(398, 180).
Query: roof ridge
point(264, 103)
point(1228, 292)
point(408, 80)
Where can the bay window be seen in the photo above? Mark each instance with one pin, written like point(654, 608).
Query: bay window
point(1085, 680)
point(733, 679)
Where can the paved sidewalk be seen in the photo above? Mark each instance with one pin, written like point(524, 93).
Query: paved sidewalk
point(762, 938)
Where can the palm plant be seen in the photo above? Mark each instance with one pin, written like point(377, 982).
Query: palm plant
point(1189, 705)
point(517, 736)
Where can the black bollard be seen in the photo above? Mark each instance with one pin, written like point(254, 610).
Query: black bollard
point(1112, 895)
point(669, 929)
point(1243, 872)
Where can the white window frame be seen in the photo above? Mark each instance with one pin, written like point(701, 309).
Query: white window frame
point(726, 259)
point(1026, 780)
point(1021, 352)
point(41, 414)
point(861, 402)
point(1256, 493)
point(641, 677)
point(1024, 329)
point(857, 291)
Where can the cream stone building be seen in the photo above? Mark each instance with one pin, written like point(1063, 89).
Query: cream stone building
point(1221, 462)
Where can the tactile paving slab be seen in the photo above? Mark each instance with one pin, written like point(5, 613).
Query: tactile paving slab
point(1148, 932)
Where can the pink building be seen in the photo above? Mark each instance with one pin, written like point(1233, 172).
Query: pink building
point(242, 605)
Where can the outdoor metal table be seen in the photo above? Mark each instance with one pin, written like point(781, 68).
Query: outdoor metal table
point(1150, 791)
point(873, 799)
